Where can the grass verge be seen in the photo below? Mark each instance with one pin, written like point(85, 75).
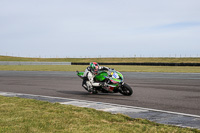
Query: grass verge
point(171, 69)
point(110, 60)
point(27, 115)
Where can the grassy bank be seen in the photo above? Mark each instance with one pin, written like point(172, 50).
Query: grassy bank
point(110, 60)
point(171, 69)
point(26, 115)
point(177, 69)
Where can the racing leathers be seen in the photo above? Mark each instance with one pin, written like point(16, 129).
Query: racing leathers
point(89, 84)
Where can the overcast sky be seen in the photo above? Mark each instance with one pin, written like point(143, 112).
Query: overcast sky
point(93, 28)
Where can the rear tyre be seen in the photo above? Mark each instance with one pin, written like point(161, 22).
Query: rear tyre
point(94, 91)
point(126, 90)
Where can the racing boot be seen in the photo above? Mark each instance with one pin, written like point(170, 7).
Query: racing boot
point(89, 87)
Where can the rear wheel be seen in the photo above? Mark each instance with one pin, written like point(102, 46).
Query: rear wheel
point(94, 91)
point(126, 90)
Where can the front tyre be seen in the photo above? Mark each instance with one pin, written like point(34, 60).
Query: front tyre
point(126, 90)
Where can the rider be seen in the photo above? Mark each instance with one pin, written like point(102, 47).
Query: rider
point(90, 72)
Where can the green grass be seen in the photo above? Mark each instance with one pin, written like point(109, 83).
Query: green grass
point(176, 69)
point(19, 115)
point(172, 69)
point(110, 60)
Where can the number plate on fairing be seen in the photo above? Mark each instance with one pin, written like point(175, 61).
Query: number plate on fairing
point(115, 75)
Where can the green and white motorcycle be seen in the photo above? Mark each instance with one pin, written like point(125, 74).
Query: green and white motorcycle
point(113, 82)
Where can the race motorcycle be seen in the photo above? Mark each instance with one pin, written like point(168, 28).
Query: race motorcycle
point(113, 82)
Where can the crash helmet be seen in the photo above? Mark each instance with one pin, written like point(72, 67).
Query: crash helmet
point(94, 67)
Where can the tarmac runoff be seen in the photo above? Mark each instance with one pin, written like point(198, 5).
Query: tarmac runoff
point(159, 116)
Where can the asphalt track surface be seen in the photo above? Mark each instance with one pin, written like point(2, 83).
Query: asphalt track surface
point(177, 92)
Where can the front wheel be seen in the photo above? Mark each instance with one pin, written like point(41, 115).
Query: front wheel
point(126, 90)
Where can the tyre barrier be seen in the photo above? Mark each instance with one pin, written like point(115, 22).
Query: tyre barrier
point(101, 63)
point(144, 64)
